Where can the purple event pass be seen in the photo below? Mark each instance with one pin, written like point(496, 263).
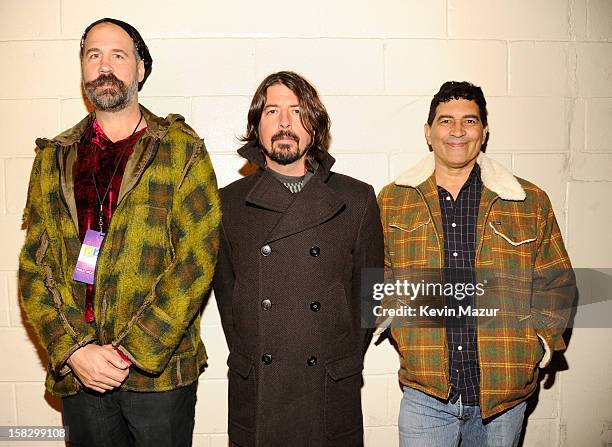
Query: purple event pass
point(88, 257)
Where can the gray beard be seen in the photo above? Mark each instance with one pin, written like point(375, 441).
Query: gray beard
point(112, 102)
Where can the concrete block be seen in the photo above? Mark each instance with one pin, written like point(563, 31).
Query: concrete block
point(221, 120)
point(218, 441)
point(578, 19)
point(227, 167)
point(374, 399)
point(592, 167)
point(370, 168)
point(15, 314)
point(377, 123)
point(72, 111)
point(17, 343)
point(8, 415)
point(499, 19)
point(540, 69)
point(549, 172)
point(163, 106)
point(27, 120)
point(20, 15)
point(35, 406)
point(401, 162)
point(393, 18)
point(585, 385)
point(17, 176)
point(333, 66)
point(216, 347)
point(13, 236)
point(395, 397)
point(577, 126)
point(35, 69)
point(594, 69)
point(588, 225)
point(380, 436)
point(598, 118)
point(528, 124)
point(197, 18)
point(381, 359)
point(2, 188)
point(198, 67)
point(504, 159)
point(4, 301)
point(202, 441)
point(547, 406)
point(541, 433)
point(420, 67)
point(599, 20)
point(211, 408)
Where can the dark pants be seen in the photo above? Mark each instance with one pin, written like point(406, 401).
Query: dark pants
point(130, 419)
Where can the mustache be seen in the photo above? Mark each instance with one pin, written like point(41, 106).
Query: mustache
point(283, 134)
point(105, 79)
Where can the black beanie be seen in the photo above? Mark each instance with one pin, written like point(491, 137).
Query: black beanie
point(141, 46)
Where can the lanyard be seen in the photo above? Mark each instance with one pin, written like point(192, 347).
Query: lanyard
point(93, 176)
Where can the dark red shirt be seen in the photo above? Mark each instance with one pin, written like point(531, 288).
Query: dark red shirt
point(98, 154)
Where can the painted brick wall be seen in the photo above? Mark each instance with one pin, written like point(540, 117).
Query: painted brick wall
point(545, 66)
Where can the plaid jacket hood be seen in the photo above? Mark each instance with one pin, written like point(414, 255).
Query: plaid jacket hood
point(517, 239)
point(155, 264)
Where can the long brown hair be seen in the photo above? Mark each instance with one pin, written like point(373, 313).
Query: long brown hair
point(313, 113)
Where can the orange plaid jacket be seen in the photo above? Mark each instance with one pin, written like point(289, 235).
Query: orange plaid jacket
point(520, 257)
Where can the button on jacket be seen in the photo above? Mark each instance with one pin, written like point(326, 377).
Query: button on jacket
point(519, 252)
point(295, 364)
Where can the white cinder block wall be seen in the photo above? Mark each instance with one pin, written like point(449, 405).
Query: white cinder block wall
point(545, 67)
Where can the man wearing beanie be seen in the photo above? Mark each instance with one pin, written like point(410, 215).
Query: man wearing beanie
point(122, 218)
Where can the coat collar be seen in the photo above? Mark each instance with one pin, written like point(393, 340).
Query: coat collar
point(316, 203)
point(494, 176)
point(157, 127)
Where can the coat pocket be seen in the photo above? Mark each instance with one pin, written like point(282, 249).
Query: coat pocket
point(343, 396)
point(513, 237)
point(242, 391)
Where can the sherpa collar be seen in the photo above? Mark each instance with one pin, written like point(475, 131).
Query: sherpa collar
point(494, 176)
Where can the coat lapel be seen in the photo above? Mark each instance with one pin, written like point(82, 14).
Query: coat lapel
point(315, 204)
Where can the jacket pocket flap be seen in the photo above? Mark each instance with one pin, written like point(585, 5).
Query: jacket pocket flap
point(409, 227)
point(345, 367)
point(514, 236)
point(240, 364)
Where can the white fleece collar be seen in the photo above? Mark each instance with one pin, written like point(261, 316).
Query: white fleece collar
point(494, 176)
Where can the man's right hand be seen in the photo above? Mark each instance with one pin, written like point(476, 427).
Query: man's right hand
point(99, 368)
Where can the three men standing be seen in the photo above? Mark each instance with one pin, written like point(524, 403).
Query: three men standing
point(295, 237)
point(460, 213)
point(140, 192)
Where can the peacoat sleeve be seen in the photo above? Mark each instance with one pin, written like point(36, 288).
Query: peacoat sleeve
point(369, 263)
point(152, 335)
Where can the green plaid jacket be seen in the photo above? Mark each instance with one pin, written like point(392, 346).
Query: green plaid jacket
point(155, 264)
point(519, 255)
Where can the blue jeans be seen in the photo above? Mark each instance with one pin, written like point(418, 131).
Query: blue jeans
point(425, 421)
point(129, 419)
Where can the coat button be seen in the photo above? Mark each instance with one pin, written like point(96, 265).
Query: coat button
point(266, 358)
point(266, 304)
point(315, 306)
point(315, 251)
point(312, 361)
point(266, 250)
